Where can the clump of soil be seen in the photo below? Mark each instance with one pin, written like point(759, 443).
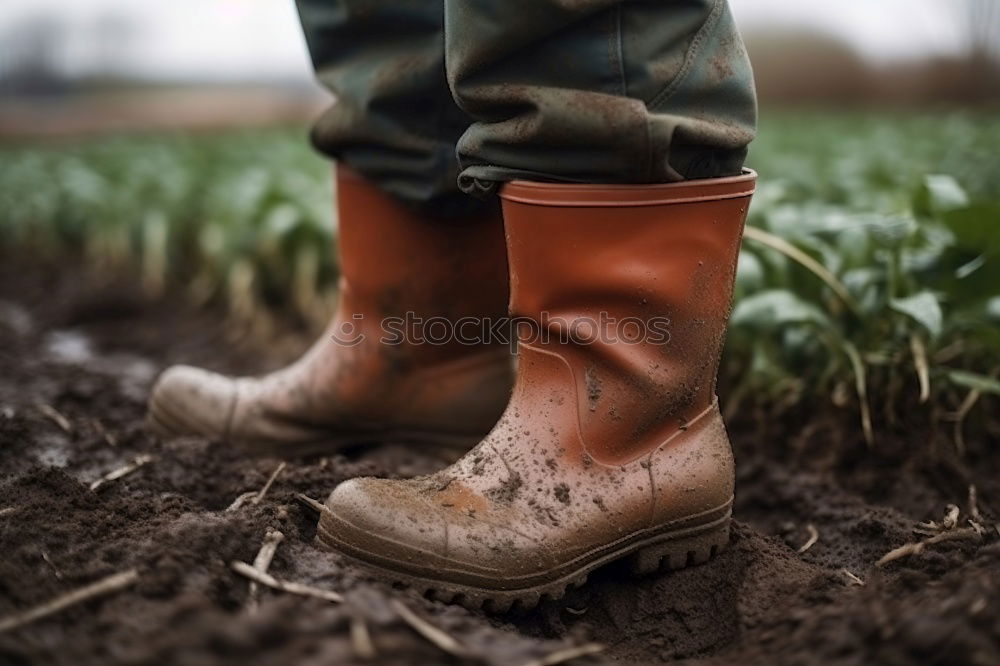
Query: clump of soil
point(77, 356)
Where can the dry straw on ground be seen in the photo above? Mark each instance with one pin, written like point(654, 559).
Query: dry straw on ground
point(113, 583)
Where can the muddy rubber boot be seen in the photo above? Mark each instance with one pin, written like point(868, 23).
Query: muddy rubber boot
point(365, 388)
point(612, 445)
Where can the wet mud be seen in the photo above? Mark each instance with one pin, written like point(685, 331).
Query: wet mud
point(77, 356)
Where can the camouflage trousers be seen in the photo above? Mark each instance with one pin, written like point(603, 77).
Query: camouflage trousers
point(436, 99)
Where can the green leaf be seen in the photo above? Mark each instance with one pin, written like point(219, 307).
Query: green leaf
point(970, 267)
point(861, 387)
point(923, 308)
point(942, 193)
point(777, 307)
point(975, 381)
point(281, 219)
point(750, 272)
point(993, 308)
point(892, 231)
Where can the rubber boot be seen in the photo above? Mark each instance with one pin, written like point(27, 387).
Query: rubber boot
point(358, 383)
point(612, 445)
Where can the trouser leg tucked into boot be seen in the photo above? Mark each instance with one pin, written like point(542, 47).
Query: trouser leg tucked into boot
point(613, 444)
point(362, 381)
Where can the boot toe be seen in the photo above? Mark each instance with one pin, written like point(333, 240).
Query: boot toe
point(191, 401)
point(383, 521)
point(393, 525)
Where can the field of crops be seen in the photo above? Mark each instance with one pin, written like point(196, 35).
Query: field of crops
point(869, 276)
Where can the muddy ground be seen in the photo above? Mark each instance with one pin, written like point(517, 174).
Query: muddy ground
point(78, 353)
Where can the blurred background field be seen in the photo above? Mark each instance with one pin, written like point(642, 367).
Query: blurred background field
point(170, 143)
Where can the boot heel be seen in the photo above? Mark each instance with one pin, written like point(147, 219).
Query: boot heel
point(679, 552)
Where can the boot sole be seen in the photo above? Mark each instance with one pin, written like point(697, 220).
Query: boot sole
point(166, 425)
point(670, 549)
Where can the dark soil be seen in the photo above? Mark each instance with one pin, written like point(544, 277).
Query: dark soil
point(88, 349)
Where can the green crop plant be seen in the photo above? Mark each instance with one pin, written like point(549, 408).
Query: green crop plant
point(243, 217)
point(871, 266)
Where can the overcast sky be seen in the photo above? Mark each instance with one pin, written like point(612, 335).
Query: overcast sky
point(248, 38)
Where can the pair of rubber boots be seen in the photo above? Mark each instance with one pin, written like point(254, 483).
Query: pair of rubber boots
point(606, 442)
